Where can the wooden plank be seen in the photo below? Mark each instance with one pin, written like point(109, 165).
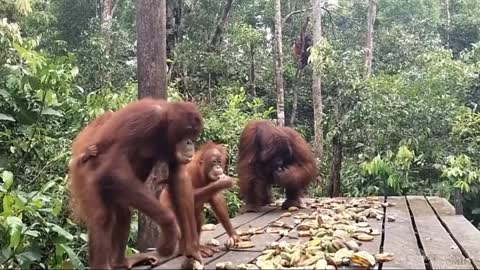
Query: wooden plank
point(400, 238)
point(261, 222)
point(438, 246)
point(465, 234)
point(238, 221)
point(236, 257)
point(261, 241)
point(441, 206)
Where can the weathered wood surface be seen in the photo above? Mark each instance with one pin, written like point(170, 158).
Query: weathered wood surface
point(440, 249)
point(400, 237)
point(426, 234)
point(463, 232)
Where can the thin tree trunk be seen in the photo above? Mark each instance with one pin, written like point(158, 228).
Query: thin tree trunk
point(279, 64)
point(106, 18)
point(337, 156)
point(252, 72)
point(293, 114)
point(372, 14)
point(447, 8)
point(298, 73)
point(458, 201)
point(336, 166)
point(209, 87)
point(317, 82)
point(171, 26)
point(218, 35)
point(152, 81)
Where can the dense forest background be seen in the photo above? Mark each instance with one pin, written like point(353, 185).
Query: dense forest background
point(411, 125)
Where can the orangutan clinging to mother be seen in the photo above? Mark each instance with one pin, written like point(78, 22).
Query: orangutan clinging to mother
point(273, 155)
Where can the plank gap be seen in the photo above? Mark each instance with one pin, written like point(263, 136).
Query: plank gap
point(382, 238)
point(464, 252)
point(426, 260)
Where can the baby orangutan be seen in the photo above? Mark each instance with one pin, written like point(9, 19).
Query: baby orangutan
point(207, 173)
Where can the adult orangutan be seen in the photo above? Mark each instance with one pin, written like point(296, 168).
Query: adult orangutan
point(207, 171)
point(112, 158)
point(267, 155)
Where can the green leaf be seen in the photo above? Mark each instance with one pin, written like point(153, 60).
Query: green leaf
point(27, 258)
point(4, 93)
point(5, 117)
point(5, 253)
point(23, 6)
point(7, 178)
point(15, 225)
point(50, 111)
point(80, 89)
point(32, 233)
point(84, 237)
point(476, 211)
point(74, 71)
point(37, 203)
point(72, 256)
point(8, 202)
point(48, 185)
point(57, 207)
point(61, 232)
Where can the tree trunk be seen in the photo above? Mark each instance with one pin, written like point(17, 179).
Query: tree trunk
point(152, 81)
point(317, 82)
point(279, 64)
point(336, 166)
point(106, 18)
point(171, 28)
point(218, 35)
point(293, 114)
point(252, 72)
point(458, 201)
point(372, 13)
point(447, 8)
point(151, 48)
point(337, 156)
point(148, 230)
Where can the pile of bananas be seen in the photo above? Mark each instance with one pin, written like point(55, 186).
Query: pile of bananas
point(334, 231)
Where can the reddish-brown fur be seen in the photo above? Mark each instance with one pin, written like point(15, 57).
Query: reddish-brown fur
point(105, 186)
point(207, 189)
point(302, 45)
point(268, 155)
point(79, 144)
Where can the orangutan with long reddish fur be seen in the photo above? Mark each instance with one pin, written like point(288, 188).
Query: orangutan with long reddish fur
point(112, 159)
point(273, 155)
point(207, 172)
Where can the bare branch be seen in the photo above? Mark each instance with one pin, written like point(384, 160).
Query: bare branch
point(115, 7)
point(287, 17)
point(217, 36)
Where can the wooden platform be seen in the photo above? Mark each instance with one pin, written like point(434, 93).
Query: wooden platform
point(425, 235)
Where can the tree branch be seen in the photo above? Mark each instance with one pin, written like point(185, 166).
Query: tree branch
point(287, 17)
point(115, 6)
point(217, 36)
